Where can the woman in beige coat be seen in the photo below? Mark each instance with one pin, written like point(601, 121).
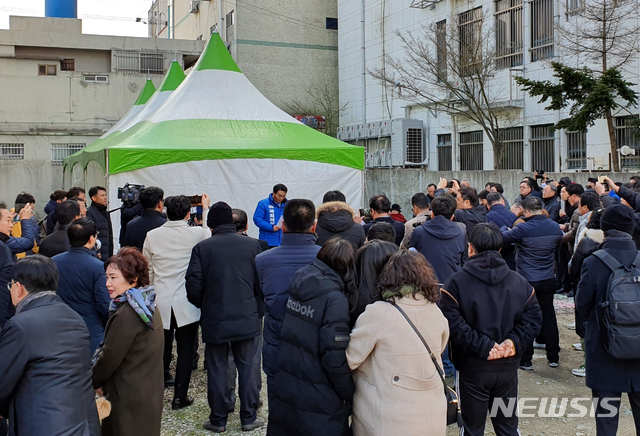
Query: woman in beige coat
point(398, 389)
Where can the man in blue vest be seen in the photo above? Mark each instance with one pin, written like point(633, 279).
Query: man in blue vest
point(268, 216)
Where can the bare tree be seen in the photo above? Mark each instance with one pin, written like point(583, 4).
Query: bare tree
point(323, 102)
point(603, 33)
point(450, 67)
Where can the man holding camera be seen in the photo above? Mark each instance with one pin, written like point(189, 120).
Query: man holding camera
point(152, 200)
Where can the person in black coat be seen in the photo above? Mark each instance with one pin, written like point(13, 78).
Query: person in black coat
point(502, 217)
point(335, 219)
point(83, 283)
point(100, 215)
point(607, 376)
point(493, 314)
point(221, 280)
point(58, 241)
point(7, 259)
point(551, 202)
point(152, 201)
point(45, 363)
point(50, 209)
point(470, 212)
point(314, 385)
point(380, 207)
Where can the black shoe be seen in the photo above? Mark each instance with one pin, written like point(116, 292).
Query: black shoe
point(571, 294)
point(259, 422)
point(260, 404)
point(208, 426)
point(561, 291)
point(169, 382)
point(181, 403)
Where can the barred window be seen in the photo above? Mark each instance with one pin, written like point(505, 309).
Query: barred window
point(509, 34)
point(445, 150)
point(543, 150)
point(574, 7)
point(470, 36)
point(60, 151)
point(513, 154)
point(541, 29)
point(11, 151)
point(577, 150)
point(441, 49)
point(627, 133)
point(139, 62)
point(68, 65)
point(471, 151)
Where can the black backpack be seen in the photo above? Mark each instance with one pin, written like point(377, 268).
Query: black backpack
point(620, 324)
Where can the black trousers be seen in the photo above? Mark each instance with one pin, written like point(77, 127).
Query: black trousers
point(217, 360)
point(545, 290)
point(232, 371)
point(477, 392)
point(186, 336)
point(563, 257)
point(608, 425)
point(3, 427)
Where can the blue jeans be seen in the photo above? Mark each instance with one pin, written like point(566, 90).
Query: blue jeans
point(449, 369)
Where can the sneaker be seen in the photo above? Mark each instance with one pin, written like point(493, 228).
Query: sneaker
point(208, 426)
point(577, 347)
point(571, 326)
point(579, 372)
point(553, 364)
point(259, 422)
point(526, 366)
point(539, 346)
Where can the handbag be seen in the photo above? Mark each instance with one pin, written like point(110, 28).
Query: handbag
point(453, 405)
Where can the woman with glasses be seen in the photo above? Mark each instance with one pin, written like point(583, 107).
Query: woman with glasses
point(128, 366)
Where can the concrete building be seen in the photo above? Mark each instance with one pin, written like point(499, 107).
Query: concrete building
point(61, 90)
point(397, 132)
point(287, 48)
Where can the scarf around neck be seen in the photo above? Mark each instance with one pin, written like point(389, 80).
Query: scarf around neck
point(31, 297)
point(142, 301)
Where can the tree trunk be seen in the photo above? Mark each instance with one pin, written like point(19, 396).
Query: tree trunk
point(612, 141)
point(498, 153)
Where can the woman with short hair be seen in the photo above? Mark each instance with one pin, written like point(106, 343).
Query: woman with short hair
point(399, 391)
point(128, 365)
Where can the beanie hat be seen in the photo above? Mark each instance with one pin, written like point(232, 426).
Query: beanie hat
point(618, 217)
point(219, 214)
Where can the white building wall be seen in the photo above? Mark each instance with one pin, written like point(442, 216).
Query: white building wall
point(382, 19)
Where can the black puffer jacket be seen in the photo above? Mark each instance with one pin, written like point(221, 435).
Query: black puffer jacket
point(6, 264)
point(471, 217)
point(100, 215)
point(223, 282)
point(335, 219)
point(589, 243)
point(315, 388)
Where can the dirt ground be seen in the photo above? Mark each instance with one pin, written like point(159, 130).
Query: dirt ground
point(542, 382)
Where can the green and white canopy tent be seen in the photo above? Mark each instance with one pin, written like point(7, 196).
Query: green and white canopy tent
point(217, 134)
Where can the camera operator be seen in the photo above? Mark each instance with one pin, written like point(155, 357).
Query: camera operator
point(152, 200)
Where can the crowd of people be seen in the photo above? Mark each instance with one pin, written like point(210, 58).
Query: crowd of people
point(356, 319)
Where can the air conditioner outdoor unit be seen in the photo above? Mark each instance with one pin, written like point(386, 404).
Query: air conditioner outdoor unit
point(370, 163)
point(407, 142)
point(340, 134)
point(194, 6)
point(385, 128)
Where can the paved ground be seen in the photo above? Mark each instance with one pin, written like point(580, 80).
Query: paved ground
point(542, 382)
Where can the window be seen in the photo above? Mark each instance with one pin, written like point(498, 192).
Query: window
point(471, 151)
point(577, 150)
point(68, 65)
point(509, 35)
point(444, 153)
point(332, 23)
point(470, 35)
point(231, 19)
point(95, 78)
point(139, 62)
point(627, 133)
point(60, 151)
point(441, 49)
point(512, 155)
point(10, 151)
point(47, 70)
point(541, 29)
point(574, 7)
point(543, 150)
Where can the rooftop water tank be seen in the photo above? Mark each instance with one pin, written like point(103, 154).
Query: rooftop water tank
point(61, 8)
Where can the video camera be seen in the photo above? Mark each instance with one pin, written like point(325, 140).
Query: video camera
point(130, 194)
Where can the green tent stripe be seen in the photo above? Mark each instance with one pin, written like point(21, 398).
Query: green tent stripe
point(173, 79)
point(216, 56)
point(148, 144)
point(146, 93)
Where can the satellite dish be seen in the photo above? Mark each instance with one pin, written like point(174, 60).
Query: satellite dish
point(625, 150)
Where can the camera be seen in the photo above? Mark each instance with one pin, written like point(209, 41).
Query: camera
point(130, 194)
point(540, 174)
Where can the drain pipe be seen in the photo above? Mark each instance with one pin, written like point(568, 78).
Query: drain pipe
point(221, 19)
point(364, 65)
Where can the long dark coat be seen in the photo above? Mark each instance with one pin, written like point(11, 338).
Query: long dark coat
point(131, 373)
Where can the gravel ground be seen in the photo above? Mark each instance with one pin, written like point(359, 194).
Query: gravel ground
point(542, 382)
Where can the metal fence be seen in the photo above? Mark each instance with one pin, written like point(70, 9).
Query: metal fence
point(542, 26)
point(60, 151)
point(543, 150)
point(627, 133)
point(11, 151)
point(414, 146)
point(139, 62)
point(445, 150)
point(509, 34)
point(471, 151)
point(513, 154)
point(577, 150)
